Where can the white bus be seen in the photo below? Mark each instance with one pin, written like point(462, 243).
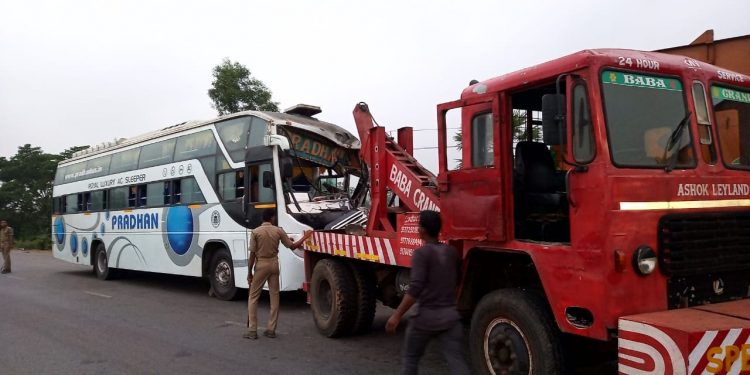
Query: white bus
point(184, 199)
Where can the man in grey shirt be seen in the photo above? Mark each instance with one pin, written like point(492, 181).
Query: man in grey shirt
point(434, 274)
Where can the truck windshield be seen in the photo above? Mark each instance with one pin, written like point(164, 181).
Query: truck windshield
point(732, 116)
point(643, 112)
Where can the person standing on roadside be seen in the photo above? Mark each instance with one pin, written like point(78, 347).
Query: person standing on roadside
point(6, 243)
point(264, 249)
point(435, 269)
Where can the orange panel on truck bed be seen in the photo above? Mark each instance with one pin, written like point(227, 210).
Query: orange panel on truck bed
point(712, 339)
point(739, 309)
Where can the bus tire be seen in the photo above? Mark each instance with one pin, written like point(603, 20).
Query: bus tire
point(366, 303)
point(101, 264)
point(513, 331)
point(333, 298)
point(221, 276)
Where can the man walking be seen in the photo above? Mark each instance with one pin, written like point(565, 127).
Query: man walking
point(6, 243)
point(264, 248)
point(434, 277)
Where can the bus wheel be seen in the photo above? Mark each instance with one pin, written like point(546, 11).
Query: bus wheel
point(366, 289)
point(333, 298)
point(513, 332)
point(101, 264)
point(221, 276)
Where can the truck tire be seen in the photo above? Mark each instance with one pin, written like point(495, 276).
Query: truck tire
point(513, 332)
point(333, 298)
point(101, 264)
point(366, 289)
point(221, 276)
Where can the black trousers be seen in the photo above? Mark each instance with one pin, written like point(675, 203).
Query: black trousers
point(451, 343)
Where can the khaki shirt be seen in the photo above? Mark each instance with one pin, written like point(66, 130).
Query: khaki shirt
point(265, 241)
point(6, 238)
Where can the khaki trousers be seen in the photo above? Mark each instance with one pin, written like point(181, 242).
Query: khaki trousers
point(265, 270)
point(6, 259)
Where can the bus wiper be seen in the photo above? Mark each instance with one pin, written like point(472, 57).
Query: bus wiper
point(673, 140)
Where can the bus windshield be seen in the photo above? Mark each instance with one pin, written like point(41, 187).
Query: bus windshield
point(732, 116)
point(643, 112)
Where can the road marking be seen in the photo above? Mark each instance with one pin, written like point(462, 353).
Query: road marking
point(16, 277)
point(235, 323)
point(97, 294)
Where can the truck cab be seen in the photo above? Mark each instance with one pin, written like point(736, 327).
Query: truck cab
point(591, 188)
point(608, 182)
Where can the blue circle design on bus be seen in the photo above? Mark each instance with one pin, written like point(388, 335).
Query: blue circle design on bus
point(180, 228)
point(74, 243)
point(84, 246)
point(59, 230)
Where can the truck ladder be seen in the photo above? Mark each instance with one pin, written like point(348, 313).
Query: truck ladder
point(392, 167)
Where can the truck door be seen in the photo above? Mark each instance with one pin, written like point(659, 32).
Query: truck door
point(471, 195)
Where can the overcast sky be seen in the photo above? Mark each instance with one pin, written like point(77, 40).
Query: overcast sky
point(83, 72)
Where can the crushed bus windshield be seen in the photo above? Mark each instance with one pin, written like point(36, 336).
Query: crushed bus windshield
point(643, 113)
point(326, 189)
point(732, 114)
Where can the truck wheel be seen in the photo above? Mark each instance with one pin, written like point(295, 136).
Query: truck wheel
point(513, 332)
point(221, 276)
point(333, 298)
point(366, 289)
point(101, 264)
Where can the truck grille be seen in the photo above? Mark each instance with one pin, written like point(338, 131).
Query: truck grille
point(706, 256)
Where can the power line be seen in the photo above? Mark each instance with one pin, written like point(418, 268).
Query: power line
point(431, 148)
point(423, 130)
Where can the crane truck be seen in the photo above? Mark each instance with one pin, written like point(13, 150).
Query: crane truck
point(604, 195)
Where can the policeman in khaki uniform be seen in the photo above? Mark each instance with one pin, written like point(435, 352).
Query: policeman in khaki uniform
point(264, 248)
point(6, 243)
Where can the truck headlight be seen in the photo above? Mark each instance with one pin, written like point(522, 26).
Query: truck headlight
point(644, 260)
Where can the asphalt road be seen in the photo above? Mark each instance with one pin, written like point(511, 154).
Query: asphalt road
point(58, 318)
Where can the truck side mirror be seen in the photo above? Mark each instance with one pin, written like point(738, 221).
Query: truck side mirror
point(268, 180)
point(553, 118)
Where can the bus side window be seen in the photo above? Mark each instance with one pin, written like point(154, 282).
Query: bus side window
point(81, 202)
point(98, 200)
point(57, 205)
point(119, 198)
point(142, 195)
point(167, 192)
point(176, 192)
point(87, 203)
point(240, 184)
point(155, 196)
point(191, 191)
point(132, 195)
point(232, 185)
point(71, 202)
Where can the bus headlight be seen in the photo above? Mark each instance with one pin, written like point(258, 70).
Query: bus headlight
point(644, 260)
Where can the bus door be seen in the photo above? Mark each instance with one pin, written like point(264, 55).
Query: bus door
point(260, 192)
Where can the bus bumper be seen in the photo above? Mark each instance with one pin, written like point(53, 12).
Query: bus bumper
point(713, 339)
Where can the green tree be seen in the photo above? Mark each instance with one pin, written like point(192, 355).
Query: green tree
point(26, 192)
point(67, 154)
point(234, 89)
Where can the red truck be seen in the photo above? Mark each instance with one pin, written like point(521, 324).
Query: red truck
point(602, 195)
